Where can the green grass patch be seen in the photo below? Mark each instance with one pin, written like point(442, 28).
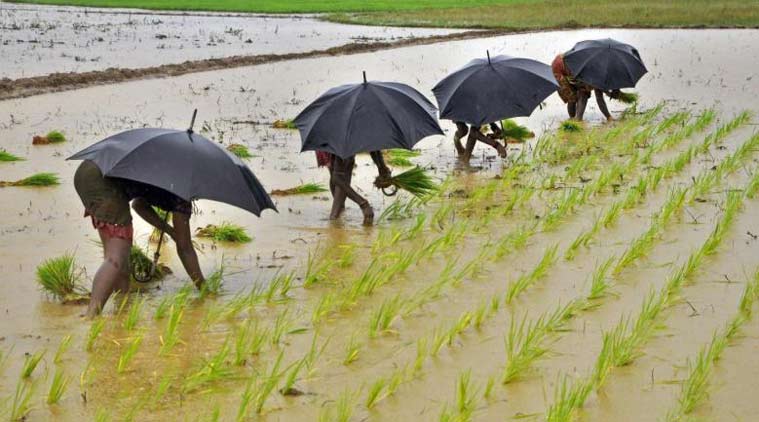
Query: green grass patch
point(60, 278)
point(224, 232)
point(301, 189)
point(55, 137)
point(6, 156)
point(35, 180)
point(570, 126)
point(240, 150)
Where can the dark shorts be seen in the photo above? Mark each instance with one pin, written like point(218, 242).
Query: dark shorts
point(104, 200)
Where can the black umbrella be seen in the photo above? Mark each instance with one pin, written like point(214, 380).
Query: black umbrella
point(492, 89)
point(181, 162)
point(366, 117)
point(605, 64)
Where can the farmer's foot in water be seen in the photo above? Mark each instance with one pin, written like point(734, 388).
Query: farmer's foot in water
point(459, 148)
point(368, 212)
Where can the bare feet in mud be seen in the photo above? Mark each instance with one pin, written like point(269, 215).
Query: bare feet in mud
point(368, 212)
point(501, 150)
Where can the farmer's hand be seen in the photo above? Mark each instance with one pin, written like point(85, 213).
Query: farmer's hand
point(383, 180)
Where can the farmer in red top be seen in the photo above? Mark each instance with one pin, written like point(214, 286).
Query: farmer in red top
point(576, 93)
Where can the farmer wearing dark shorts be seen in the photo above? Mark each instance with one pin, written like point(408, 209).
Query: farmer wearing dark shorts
point(576, 93)
point(476, 135)
point(341, 174)
point(106, 201)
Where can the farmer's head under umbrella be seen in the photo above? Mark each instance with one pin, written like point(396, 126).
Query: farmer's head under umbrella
point(366, 117)
point(161, 168)
point(488, 90)
point(603, 67)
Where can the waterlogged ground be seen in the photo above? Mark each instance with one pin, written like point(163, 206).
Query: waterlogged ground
point(39, 40)
point(468, 250)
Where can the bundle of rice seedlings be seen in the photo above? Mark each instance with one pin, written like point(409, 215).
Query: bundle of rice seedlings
point(60, 278)
point(224, 232)
point(164, 216)
point(570, 126)
point(55, 137)
point(400, 157)
point(140, 263)
point(515, 131)
point(627, 97)
point(415, 181)
point(240, 150)
point(283, 124)
point(39, 179)
point(7, 156)
point(301, 189)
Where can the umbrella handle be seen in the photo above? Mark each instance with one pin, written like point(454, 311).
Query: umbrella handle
point(392, 192)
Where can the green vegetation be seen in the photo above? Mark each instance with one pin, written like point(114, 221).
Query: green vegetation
point(60, 278)
point(513, 130)
point(57, 387)
point(506, 14)
point(35, 180)
point(224, 232)
point(30, 363)
point(627, 97)
point(284, 124)
point(570, 126)
point(240, 150)
point(55, 137)
point(63, 346)
point(8, 157)
point(301, 189)
point(22, 400)
point(415, 181)
point(140, 263)
point(400, 157)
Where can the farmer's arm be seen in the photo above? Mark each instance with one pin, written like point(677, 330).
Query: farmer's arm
point(497, 132)
point(379, 161)
point(144, 210)
point(183, 239)
point(602, 103)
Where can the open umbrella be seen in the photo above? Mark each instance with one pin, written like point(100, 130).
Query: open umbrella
point(181, 162)
point(366, 117)
point(489, 90)
point(605, 64)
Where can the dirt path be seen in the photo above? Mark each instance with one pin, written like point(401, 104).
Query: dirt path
point(57, 82)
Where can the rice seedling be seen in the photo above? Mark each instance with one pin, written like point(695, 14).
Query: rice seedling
point(514, 240)
point(570, 126)
point(102, 415)
point(246, 400)
point(317, 269)
point(128, 354)
point(134, 315)
point(513, 130)
point(6, 156)
point(35, 180)
point(382, 318)
point(400, 157)
point(352, 351)
point(599, 283)
point(278, 287)
point(526, 280)
point(284, 124)
point(347, 255)
point(627, 97)
point(375, 392)
point(488, 391)
point(55, 137)
point(22, 400)
point(421, 355)
point(281, 326)
point(288, 388)
point(63, 346)
point(210, 371)
point(213, 283)
point(523, 347)
point(92, 335)
point(240, 151)
point(268, 385)
point(415, 181)
point(57, 387)
point(224, 232)
point(30, 363)
point(307, 188)
point(568, 398)
point(638, 248)
point(60, 278)
point(170, 335)
point(466, 396)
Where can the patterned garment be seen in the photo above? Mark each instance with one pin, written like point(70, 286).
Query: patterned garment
point(323, 159)
point(568, 86)
point(111, 230)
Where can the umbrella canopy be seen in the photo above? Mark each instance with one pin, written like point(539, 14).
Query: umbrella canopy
point(181, 162)
point(492, 89)
point(366, 117)
point(605, 64)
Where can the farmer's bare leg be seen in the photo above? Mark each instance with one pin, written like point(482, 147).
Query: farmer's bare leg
point(582, 103)
point(113, 274)
point(571, 109)
point(602, 103)
point(461, 131)
point(185, 250)
point(471, 141)
point(342, 176)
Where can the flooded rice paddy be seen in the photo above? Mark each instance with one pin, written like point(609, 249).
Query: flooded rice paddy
point(477, 305)
point(39, 40)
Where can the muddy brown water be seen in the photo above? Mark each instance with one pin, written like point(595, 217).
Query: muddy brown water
point(689, 69)
point(37, 40)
